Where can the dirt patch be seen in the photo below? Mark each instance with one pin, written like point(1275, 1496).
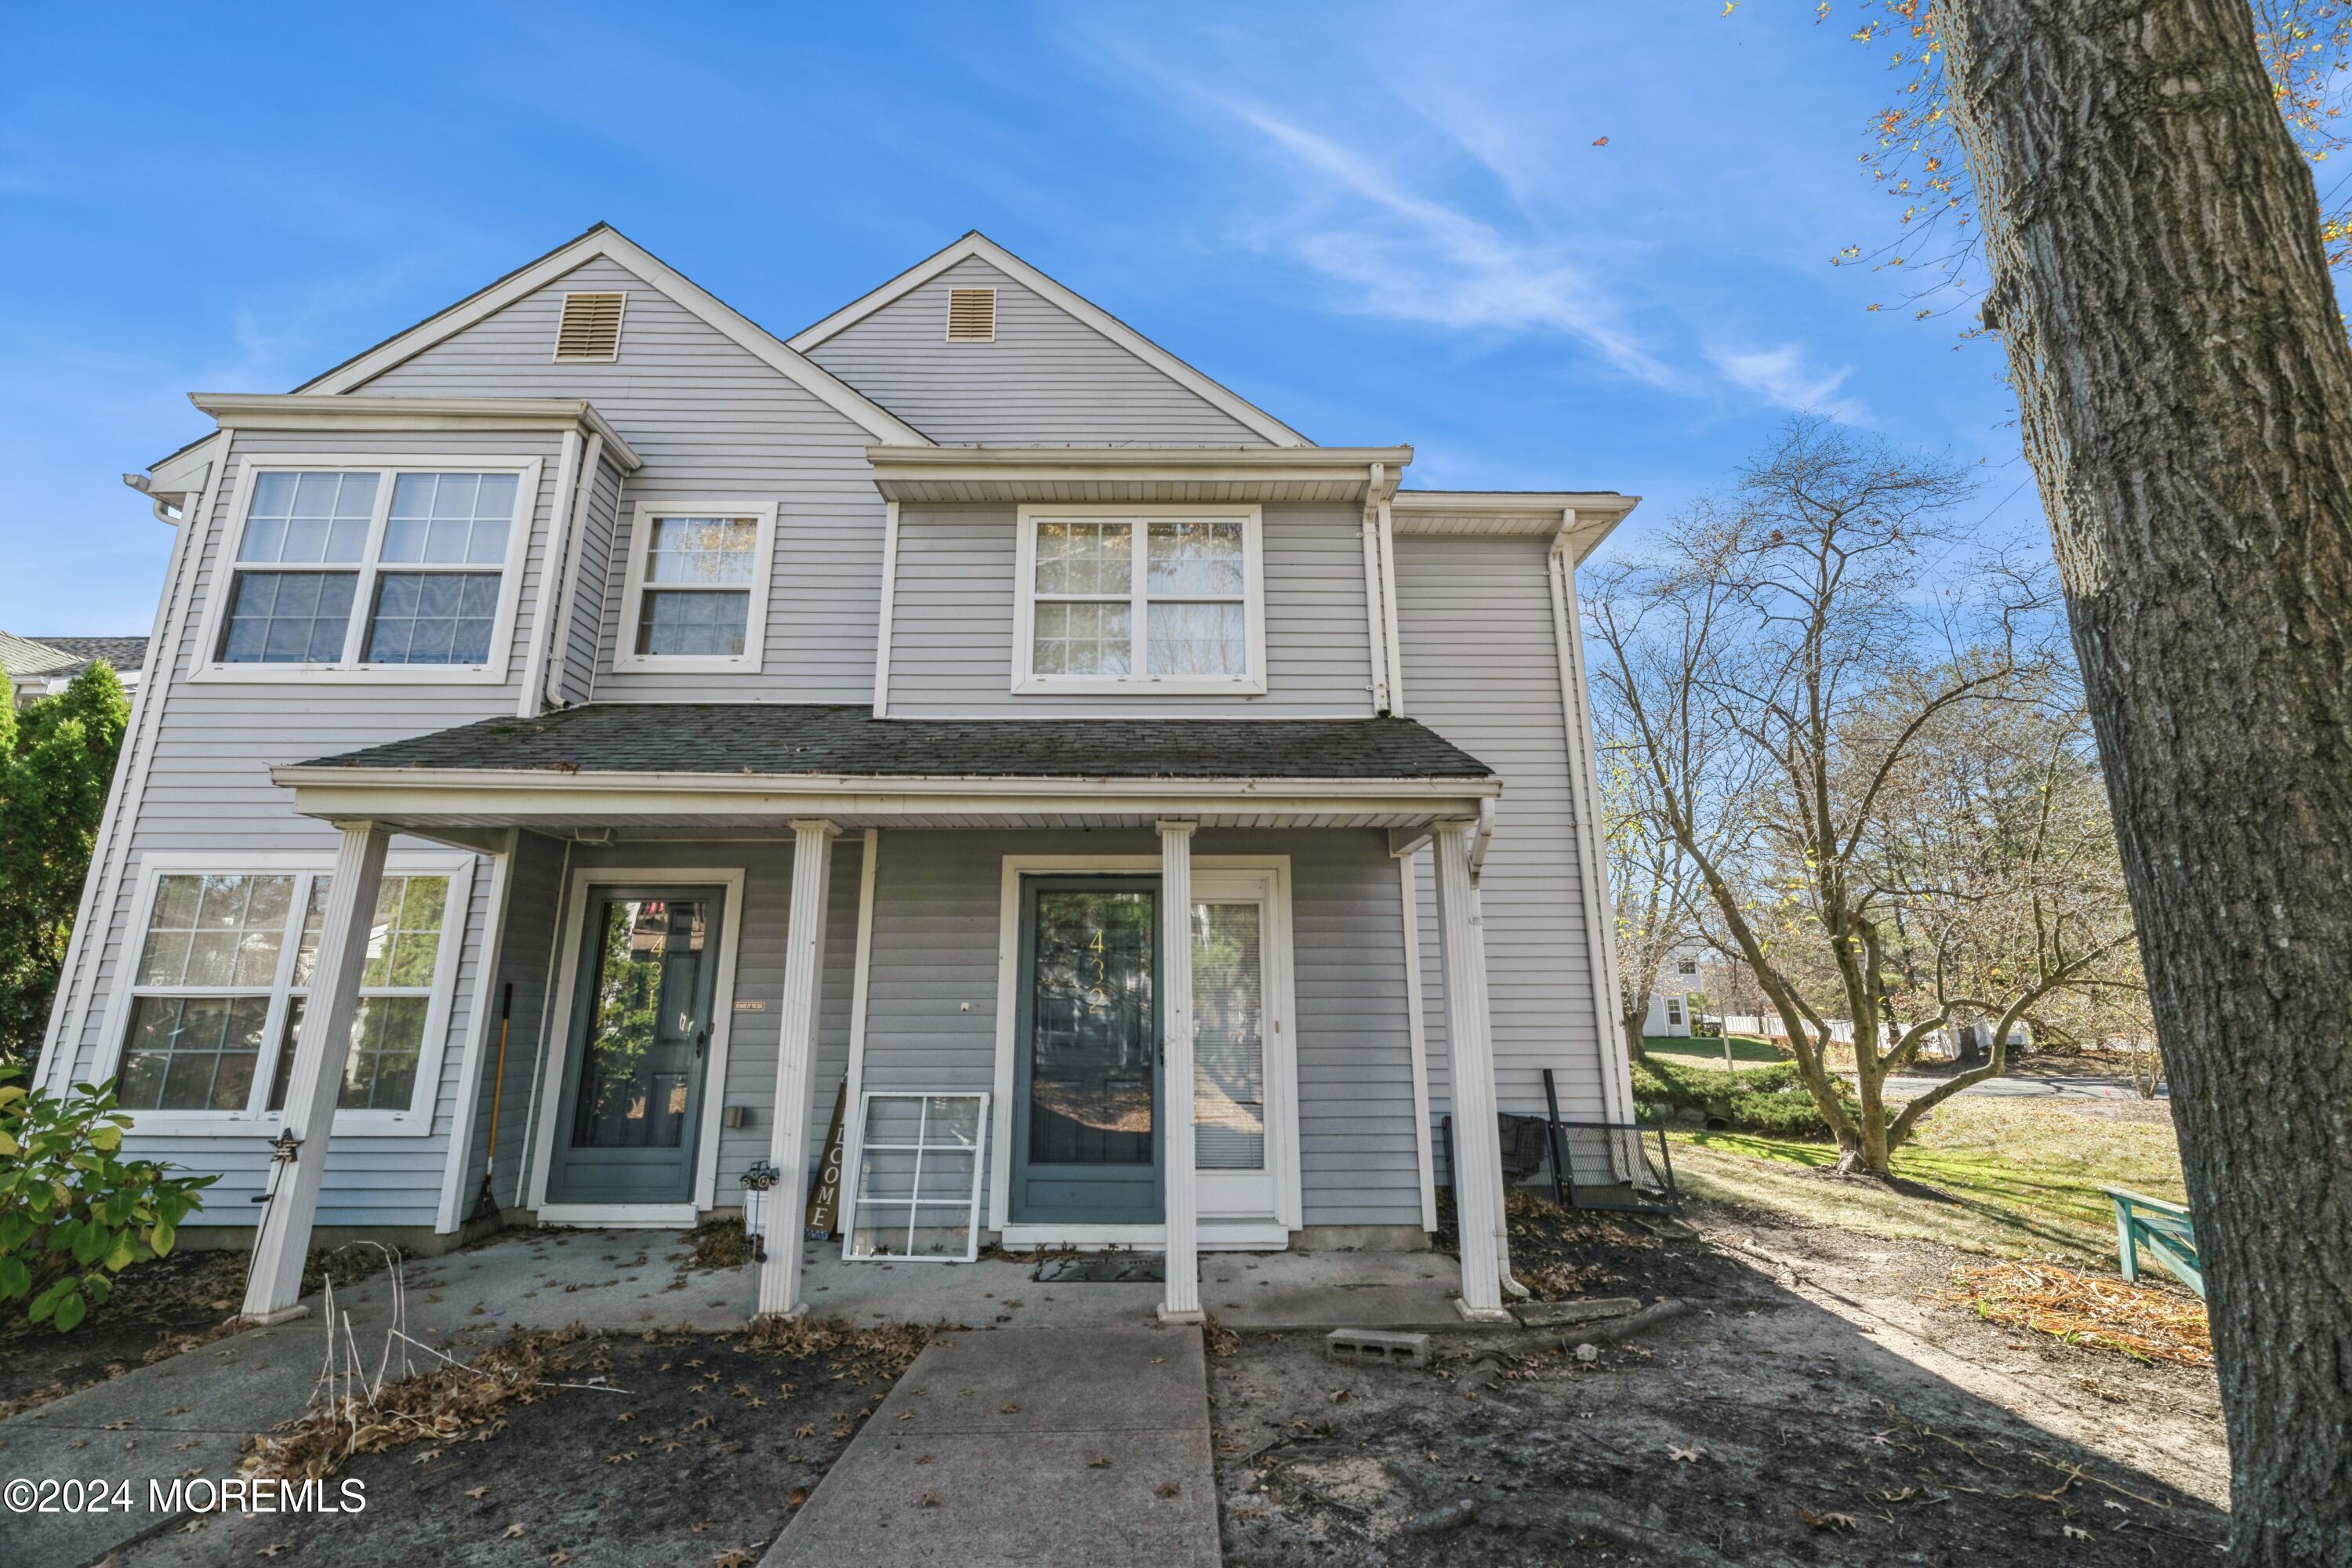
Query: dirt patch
point(158, 1309)
point(693, 1447)
point(1818, 1404)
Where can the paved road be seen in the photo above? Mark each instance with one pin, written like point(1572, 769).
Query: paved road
point(2010, 1087)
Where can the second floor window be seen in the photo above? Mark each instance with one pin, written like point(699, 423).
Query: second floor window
point(374, 571)
point(1168, 600)
point(696, 594)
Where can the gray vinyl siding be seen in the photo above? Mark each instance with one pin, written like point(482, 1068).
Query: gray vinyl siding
point(953, 627)
point(208, 793)
point(534, 900)
point(592, 563)
point(932, 1007)
point(709, 419)
point(1047, 379)
point(1482, 669)
point(752, 1037)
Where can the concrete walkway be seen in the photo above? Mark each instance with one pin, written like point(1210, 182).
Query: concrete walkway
point(1025, 1445)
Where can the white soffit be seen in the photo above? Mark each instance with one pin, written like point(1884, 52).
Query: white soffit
point(952, 474)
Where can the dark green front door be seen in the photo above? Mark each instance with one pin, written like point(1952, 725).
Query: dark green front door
point(640, 1031)
point(1085, 1128)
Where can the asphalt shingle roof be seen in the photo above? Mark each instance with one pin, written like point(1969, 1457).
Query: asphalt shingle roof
point(123, 653)
point(778, 738)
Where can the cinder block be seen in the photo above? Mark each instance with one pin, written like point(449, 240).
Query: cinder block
point(1377, 1347)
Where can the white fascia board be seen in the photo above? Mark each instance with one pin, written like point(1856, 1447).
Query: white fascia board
point(1576, 521)
point(297, 411)
point(908, 473)
point(979, 246)
point(336, 795)
point(611, 243)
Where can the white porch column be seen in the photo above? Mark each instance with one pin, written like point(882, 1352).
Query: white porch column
point(273, 1289)
point(1477, 1145)
point(780, 1276)
point(1182, 1203)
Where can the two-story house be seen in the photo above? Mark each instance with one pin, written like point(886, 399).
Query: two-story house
point(589, 736)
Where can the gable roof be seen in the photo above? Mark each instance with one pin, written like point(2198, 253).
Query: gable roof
point(976, 245)
point(604, 240)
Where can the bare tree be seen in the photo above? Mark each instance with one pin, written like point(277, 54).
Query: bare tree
point(1655, 884)
point(2161, 285)
point(1788, 685)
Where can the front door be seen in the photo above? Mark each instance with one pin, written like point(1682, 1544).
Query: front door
point(640, 1030)
point(1085, 1143)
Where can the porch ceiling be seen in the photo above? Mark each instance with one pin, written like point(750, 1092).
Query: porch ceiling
point(707, 767)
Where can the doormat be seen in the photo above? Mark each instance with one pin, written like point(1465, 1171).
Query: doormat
point(1104, 1268)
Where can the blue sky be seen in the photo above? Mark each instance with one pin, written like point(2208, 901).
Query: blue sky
point(1381, 224)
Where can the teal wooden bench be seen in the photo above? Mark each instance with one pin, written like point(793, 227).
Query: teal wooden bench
point(2162, 1230)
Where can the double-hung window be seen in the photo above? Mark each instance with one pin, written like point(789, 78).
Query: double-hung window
point(221, 980)
point(406, 571)
point(1144, 599)
point(695, 593)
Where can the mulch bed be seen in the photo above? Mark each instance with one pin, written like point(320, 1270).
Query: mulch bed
point(158, 1309)
point(688, 1450)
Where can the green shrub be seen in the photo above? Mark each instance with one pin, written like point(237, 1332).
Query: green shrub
point(72, 1213)
point(1771, 1100)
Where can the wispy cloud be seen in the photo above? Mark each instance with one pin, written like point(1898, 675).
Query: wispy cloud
point(1779, 375)
point(1407, 255)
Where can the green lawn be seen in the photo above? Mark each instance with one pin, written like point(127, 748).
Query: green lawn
point(2007, 1180)
point(1744, 1048)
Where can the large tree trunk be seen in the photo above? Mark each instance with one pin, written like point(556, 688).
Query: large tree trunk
point(2186, 397)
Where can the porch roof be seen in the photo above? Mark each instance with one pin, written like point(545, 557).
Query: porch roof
point(721, 764)
point(769, 738)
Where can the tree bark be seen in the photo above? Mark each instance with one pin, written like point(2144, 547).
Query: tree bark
point(2159, 282)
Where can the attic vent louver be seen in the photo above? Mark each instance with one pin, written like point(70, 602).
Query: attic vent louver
point(591, 328)
point(971, 315)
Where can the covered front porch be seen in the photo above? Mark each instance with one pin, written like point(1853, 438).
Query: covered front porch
point(718, 929)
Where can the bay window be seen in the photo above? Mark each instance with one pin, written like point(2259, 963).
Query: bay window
point(402, 571)
point(1146, 599)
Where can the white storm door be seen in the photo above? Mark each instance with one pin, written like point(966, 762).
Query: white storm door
point(1240, 1046)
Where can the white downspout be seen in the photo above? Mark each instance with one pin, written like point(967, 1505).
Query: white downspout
point(1375, 589)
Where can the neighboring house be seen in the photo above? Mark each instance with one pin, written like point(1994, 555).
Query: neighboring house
point(628, 730)
point(1682, 981)
point(39, 667)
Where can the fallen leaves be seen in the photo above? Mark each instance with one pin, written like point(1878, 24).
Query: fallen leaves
point(1842, 1522)
point(512, 1532)
point(1689, 1456)
point(2088, 1309)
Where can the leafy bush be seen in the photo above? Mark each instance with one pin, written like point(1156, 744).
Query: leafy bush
point(1771, 1100)
point(72, 1214)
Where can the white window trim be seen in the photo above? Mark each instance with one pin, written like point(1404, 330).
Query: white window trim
point(1282, 1148)
point(417, 1122)
point(209, 666)
point(854, 1181)
point(558, 1030)
point(1028, 683)
point(647, 509)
